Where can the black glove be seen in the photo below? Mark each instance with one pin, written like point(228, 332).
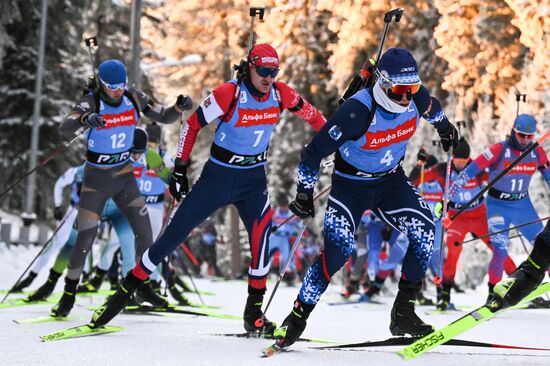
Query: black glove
point(448, 137)
point(302, 206)
point(386, 232)
point(92, 120)
point(57, 213)
point(422, 155)
point(184, 103)
point(179, 185)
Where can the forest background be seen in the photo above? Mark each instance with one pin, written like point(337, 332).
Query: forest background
point(475, 56)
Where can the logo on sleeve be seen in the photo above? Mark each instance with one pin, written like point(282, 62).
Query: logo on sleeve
point(487, 154)
point(335, 133)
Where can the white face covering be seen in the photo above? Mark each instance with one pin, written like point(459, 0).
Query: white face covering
point(385, 102)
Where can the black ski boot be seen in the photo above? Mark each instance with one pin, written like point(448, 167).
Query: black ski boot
point(351, 288)
point(117, 302)
point(176, 294)
point(521, 283)
point(114, 283)
point(254, 320)
point(423, 300)
point(66, 303)
point(145, 292)
point(403, 318)
point(444, 296)
point(181, 283)
point(46, 289)
point(294, 324)
point(374, 289)
point(94, 283)
point(25, 282)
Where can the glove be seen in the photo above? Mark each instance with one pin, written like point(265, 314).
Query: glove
point(422, 155)
point(57, 213)
point(92, 120)
point(438, 210)
point(184, 103)
point(448, 137)
point(386, 232)
point(302, 206)
point(179, 185)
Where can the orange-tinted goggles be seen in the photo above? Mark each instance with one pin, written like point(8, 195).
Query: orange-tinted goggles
point(404, 89)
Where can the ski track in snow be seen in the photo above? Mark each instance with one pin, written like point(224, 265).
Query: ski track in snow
point(189, 340)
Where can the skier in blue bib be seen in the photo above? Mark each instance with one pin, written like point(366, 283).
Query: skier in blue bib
point(110, 115)
point(368, 175)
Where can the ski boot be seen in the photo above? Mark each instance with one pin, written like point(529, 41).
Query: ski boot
point(117, 302)
point(25, 282)
point(145, 292)
point(114, 283)
point(423, 300)
point(181, 283)
point(294, 324)
point(403, 318)
point(176, 294)
point(444, 297)
point(374, 289)
point(351, 288)
point(94, 283)
point(66, 303)
point(511, 290)
point(254, 320)
point(46, 289)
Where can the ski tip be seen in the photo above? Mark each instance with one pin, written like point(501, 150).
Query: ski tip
point(271, 351)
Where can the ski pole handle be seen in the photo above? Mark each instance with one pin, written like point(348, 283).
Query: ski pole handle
point(395, 13)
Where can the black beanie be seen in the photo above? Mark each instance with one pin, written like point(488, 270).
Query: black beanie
point(154, 132)
point(462, 149)
point(140, 141)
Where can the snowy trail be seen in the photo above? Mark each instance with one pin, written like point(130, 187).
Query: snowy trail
point(189, 340)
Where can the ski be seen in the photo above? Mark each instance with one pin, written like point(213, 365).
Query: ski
point(178, 310)
point(79, 331)
point(354, 302)
point(468, 321)
point(270, 336)
point(403, 341)
point(24, 302)
point(45, 319)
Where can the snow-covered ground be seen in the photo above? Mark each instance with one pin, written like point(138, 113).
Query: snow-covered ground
point(189, 340)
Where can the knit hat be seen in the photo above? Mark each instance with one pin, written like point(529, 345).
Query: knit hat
point(399, 66)
point(526, 124)
point(140, 141)
point(112, 72)
point(462, 149)
point(264, 55)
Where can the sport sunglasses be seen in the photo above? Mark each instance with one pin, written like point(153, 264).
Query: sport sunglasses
point(114, 86)
point(266, 71)
point(399, 89)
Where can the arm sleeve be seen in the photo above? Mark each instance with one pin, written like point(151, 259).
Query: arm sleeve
point(212, 107)
point(430, 109)
point(66, 179)
point(155, 111)
point(73, 120)
point(434, 173)
point(294, 102)
point(483, 161)
point(339, 129)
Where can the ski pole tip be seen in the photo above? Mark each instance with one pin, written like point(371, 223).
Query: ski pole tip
point(438, 280)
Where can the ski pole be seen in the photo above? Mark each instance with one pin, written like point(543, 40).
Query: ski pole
point(56, 152)
point(260, 322)
point(366, 75)
point(186, 270)
point(505, 230)
point(275, 228)
point(46, 244)
point(447, 221)
point(438, 279)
